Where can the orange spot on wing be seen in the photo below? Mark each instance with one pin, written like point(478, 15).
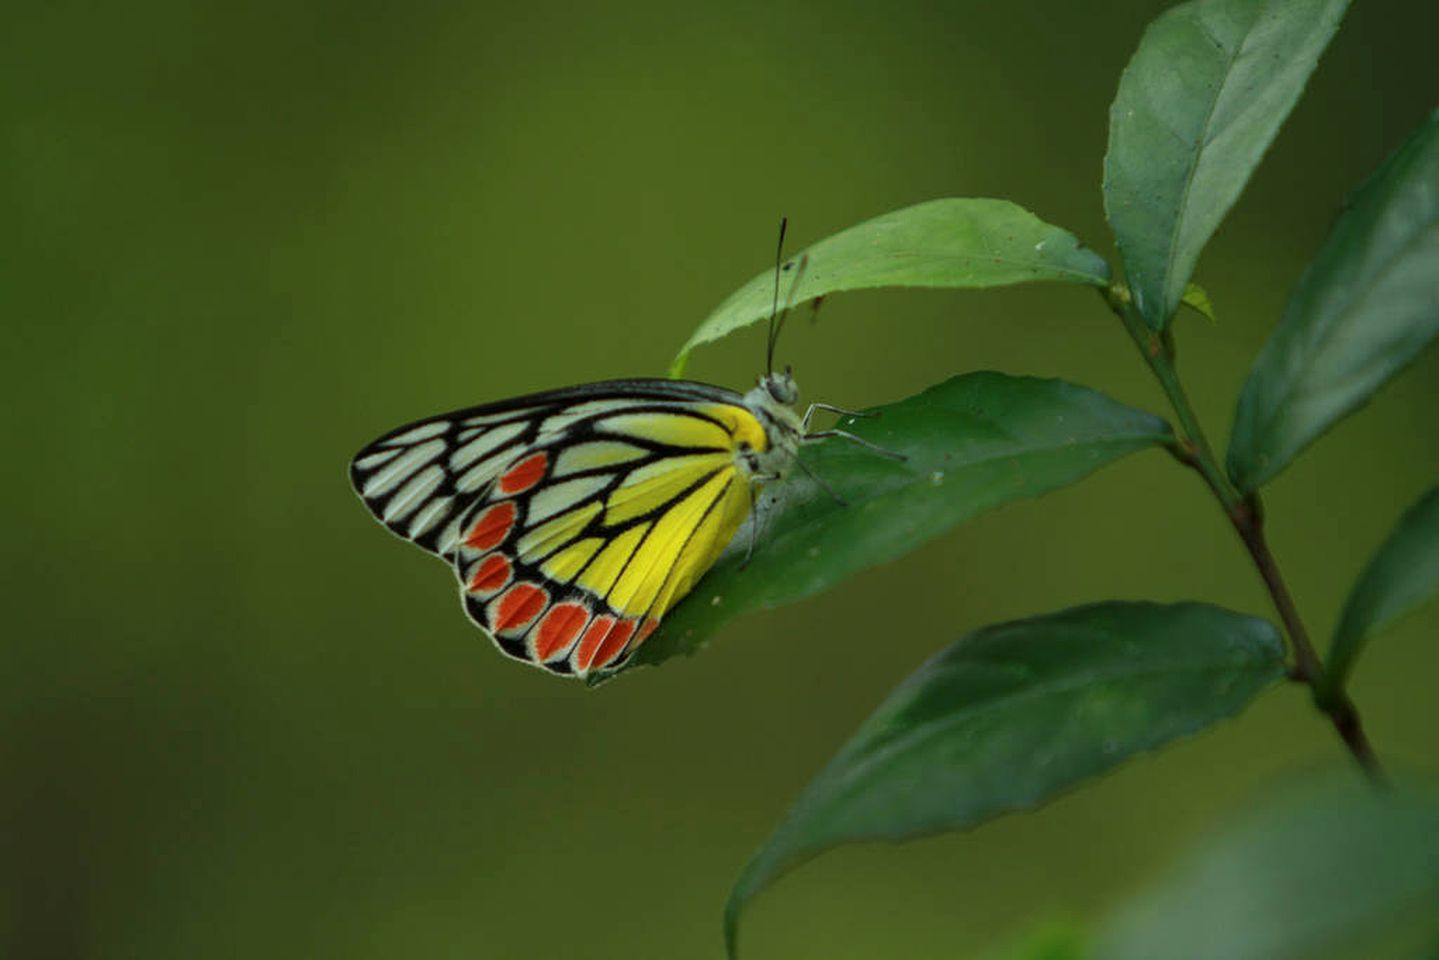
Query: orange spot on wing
point(590, 642)
point(492, 573)
point(614, 643)
point(490, 530)
point(646, 628)
point(558, 629)
point(518, 606)
point(524, 474)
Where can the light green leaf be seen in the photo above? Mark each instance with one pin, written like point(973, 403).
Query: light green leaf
point(958, 243)
point(1014, 713)
point(1403, 575)
point(973, 442)
point(1362, 311)
point(1306, 875)
point(1196, 299)
point(1199, 103)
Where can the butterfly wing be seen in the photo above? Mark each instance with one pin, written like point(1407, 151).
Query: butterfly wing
point(419, 479)
point(574, 519)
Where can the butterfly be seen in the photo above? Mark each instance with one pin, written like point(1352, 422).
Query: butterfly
point(574, 519)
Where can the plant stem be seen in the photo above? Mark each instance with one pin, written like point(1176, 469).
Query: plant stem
point(1246, 514)
point(1307, 666)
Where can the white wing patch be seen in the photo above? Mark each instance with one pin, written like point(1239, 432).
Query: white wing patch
point(485, 443)
point(482, 473)
point(556, 497)
point(420, 480)
point(400, 469)
point(375, 459)
point(433, 512)
point(594, 455)
point(561, 422)
point(413, 493)
point(422, 432)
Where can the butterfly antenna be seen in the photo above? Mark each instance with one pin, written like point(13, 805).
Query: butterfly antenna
point(788, 303)
point(774, 307)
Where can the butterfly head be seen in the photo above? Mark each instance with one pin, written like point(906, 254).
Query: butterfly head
point(772, 400)
point(780, 387)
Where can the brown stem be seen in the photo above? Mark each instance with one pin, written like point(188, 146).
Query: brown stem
point(1247, 516)
point(1308, 668)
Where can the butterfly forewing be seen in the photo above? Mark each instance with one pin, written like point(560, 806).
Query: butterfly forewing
point(573, 519)
point(419, 480)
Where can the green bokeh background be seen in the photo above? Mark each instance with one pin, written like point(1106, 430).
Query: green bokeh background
point(237, 719)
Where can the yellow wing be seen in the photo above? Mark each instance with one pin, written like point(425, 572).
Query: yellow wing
point(586, 537)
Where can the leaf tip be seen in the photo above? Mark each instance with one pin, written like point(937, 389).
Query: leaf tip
point(732, 909)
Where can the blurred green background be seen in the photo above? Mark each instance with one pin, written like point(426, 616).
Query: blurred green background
point(239, 719)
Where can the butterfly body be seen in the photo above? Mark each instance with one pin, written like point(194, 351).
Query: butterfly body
point(574, 519)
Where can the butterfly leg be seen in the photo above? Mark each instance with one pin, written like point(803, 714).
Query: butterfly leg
point(821, 482)
point(846, 435)
point(755, 481)
point(809, 412)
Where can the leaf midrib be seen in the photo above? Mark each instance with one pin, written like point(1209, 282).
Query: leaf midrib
point(704, 335)
point(1026, 451)
point(1009, 699)
point(1300, 386)
point(1203, 141)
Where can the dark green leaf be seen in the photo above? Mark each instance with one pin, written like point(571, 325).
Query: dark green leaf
point(1012, 714)
point(1199, 103)
point(967, 242)
point(973, 442)
point(1365, 307)
point(1402, 576)
point(1306, 875)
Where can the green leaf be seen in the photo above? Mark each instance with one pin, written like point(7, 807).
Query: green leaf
point(1014, 713)
point(961, 243)
point(1365, 307)
point(973, 442)
point(1401, 577)
point(1197, 299)
point(1199, 103)
point(1305, 875)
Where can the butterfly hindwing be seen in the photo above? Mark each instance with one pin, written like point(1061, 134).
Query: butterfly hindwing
point(574, 519)
point(573, 569)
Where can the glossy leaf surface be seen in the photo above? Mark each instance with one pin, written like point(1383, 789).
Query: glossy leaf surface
point(1403, 575)
point(1012, 714)
point(955, 243)
point(1363, 310)
point(972, 443)
point(1199, 103)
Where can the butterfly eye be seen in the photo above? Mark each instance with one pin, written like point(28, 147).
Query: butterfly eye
point(781, 388)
